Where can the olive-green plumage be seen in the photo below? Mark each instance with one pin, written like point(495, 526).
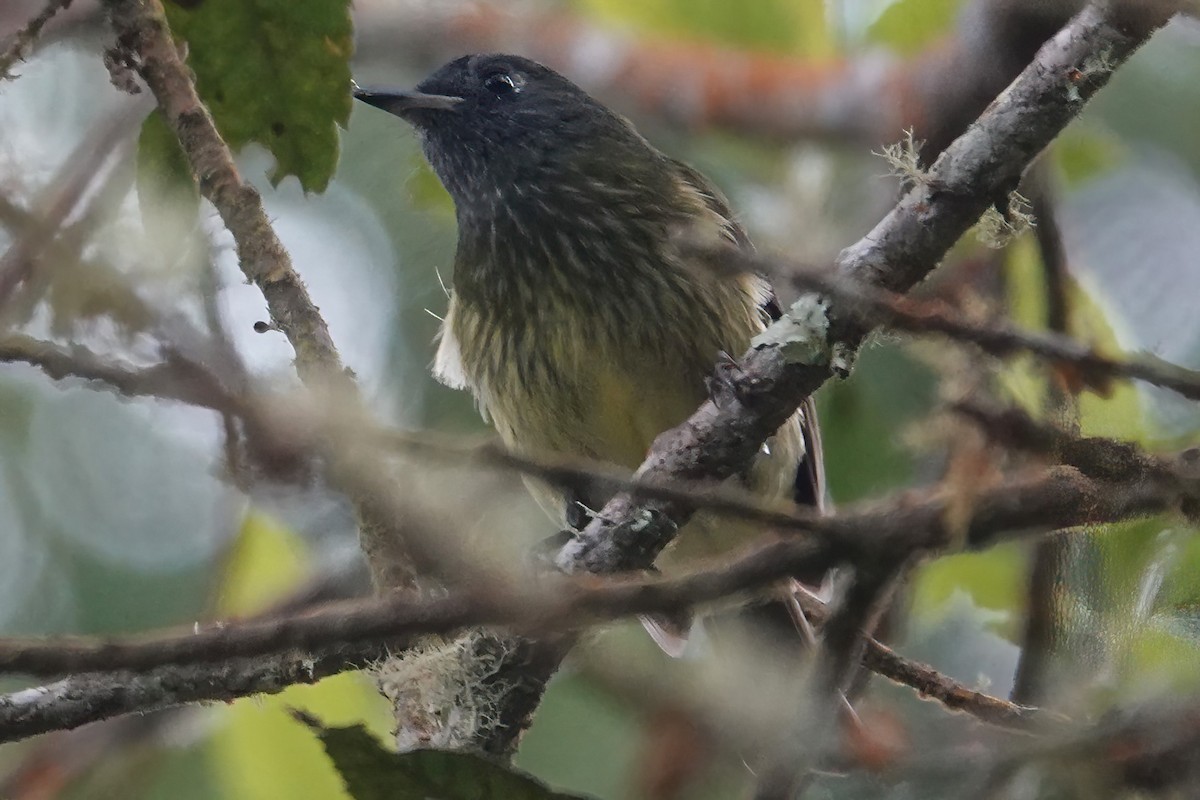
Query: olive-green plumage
point(573, 319)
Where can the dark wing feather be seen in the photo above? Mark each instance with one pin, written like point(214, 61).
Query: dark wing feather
point(810, 472)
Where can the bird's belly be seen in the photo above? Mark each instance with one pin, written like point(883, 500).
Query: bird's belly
point(560, 387)
point(609, 413)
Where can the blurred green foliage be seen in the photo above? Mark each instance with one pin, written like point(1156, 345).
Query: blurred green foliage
point(786, 26)
point(909, 26)
point(164, 178)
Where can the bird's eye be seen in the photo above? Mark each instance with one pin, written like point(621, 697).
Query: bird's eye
point(501, 84)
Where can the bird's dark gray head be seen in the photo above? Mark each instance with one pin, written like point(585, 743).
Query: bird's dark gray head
point(497, 128)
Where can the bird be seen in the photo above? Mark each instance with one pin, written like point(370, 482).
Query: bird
point(575, 318)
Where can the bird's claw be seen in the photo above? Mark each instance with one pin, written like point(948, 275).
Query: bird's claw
point(542, 553)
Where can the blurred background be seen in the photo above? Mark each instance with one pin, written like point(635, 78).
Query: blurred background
point(120, 515)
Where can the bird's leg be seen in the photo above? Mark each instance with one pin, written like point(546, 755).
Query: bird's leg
point(577, 516)
point(722, 383)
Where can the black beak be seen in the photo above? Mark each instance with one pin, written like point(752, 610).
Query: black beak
point(400, 102)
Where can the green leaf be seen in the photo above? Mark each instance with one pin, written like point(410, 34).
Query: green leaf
point(908, 26)
point(373, 773)
point(168, 196)
point(275, 72)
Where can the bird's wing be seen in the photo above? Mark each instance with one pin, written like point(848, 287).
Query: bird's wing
point(716, 202)
point(810, 472)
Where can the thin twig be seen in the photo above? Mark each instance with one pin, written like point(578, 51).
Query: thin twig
point(1094, 456)
point(930, 684)
point(78, 172)
point(25, 37)
point(145, 42)
point(169, 380)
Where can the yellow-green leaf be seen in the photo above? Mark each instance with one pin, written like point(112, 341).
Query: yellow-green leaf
point(266, 560)
point(258, 752)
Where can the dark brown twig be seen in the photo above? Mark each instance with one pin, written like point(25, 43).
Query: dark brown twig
point(1044, 635)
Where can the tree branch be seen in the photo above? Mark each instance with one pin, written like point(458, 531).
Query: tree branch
point(894, 531)
point(91, 697)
